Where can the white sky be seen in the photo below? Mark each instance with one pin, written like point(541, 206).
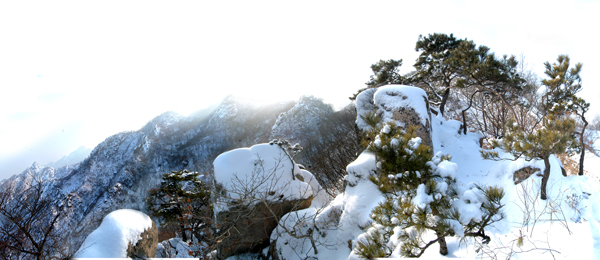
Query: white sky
point(74, 73)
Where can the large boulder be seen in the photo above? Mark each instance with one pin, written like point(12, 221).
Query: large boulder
point(251, 227)
point(255, 187)
point(402, 105)
point(123, 233)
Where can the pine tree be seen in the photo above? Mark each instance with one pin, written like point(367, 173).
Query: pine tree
point(420, 190)
point(385, 72)
point(184, 199)
point(580, 107)
point(436, 67)
point(557, 132)
point(555, 137)
point(495, 78)
point(447, 63)
point(562, 85)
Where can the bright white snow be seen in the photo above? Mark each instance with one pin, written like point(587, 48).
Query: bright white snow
point(263, 171)
point(118, 229)
point(566, 226)
point(388, 99)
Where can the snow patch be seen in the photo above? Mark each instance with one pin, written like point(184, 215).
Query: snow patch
point(387, 99)
point(118, 229)
point(265, 170)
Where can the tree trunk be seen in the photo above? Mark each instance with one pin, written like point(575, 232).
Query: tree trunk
point(485, 128)
point(442, 242)
point(545, 177)
point(581, 157)
point(464, 117)
point(444, 99)
point(183, 235)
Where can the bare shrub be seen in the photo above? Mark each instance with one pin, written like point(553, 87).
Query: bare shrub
point(29, 221)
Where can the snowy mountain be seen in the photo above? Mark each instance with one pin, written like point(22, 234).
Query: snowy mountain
point(74, 157)
point(119, 172)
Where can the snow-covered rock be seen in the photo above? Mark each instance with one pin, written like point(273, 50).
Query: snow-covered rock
point(173, 248)
point(402, 105)
point(261, 172)
point(119, 234)
point(255, 187)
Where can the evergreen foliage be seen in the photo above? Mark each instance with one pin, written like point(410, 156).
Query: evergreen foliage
point(557, 132)
point(385, 72)
point(562, 85)
point(454, 72)
point(557, 136)
point(420, 190)
point(447, 63)
point(184, 199)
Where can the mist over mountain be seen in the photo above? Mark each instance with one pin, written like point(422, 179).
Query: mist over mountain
point(74, 157)
point(119, 172)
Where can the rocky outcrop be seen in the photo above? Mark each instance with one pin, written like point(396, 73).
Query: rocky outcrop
point(255, 187)
point(409, 117)
point(402, 105)
point(249, 228)
point(524, 173)
point(146, 246)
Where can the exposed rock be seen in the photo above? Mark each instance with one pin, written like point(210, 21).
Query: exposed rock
point(145, 247)
point(254, 188)
point(408, 116)
point(173, 248)
point(403, 105)
point(249, 229)
point(524, 173)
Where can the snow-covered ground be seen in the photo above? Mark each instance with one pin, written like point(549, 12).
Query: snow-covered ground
point(565, 226)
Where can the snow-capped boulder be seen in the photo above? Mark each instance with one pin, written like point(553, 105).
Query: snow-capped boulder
point(255, 187)
point(402, 105)
point(123, 233)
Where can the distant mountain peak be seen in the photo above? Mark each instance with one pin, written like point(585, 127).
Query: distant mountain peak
point(74, 157)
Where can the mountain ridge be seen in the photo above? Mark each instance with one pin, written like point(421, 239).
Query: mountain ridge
point(120, 170)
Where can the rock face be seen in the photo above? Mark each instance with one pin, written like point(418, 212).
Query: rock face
point(250, 228)
point(145, 247)
point(396, 103)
